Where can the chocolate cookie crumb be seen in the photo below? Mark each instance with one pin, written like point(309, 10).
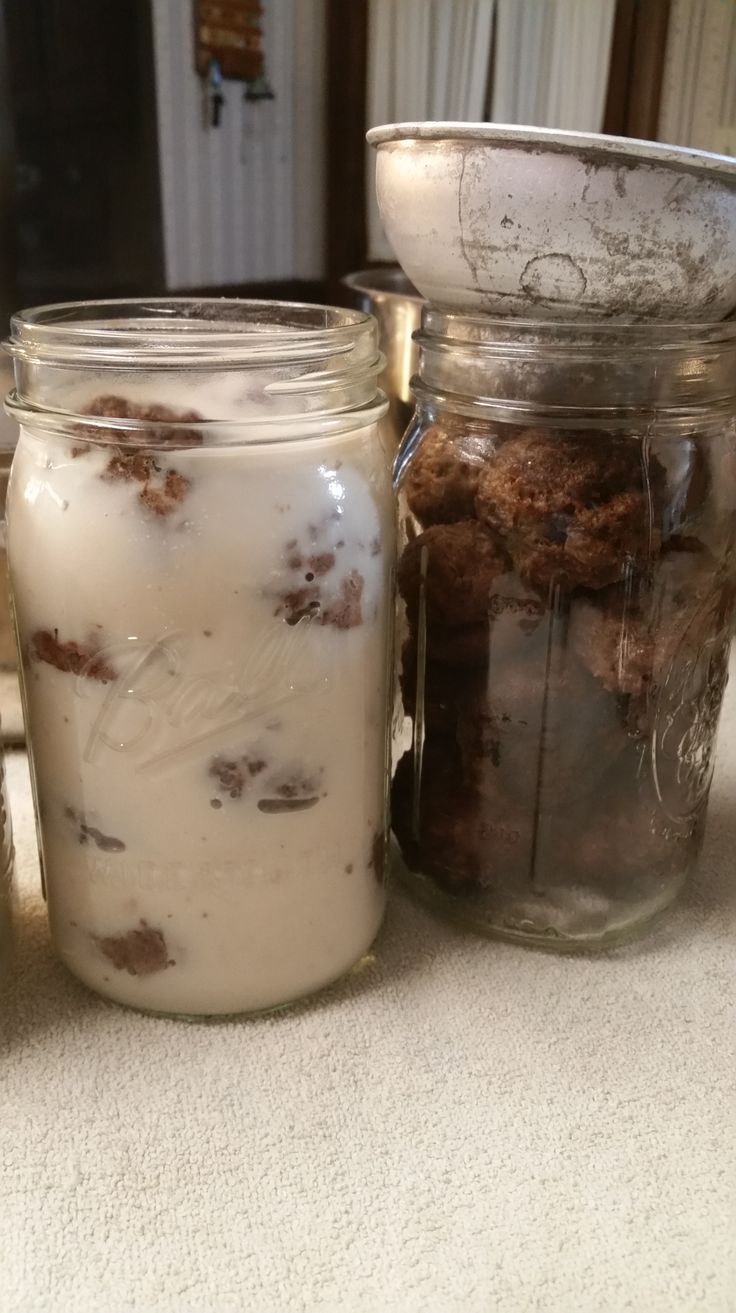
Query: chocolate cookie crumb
point(130, 466)
point(273, 805)
point(320, 563)
point(164, 424)
point(85, 832)
point(106, 842)
point(295, 783)
point(140, 952)
point(229, 775)
point(377, 862)
point(163, 498)
point(342, 610)
point(161, 492)
point(301, 604)
point(110, 406)
point(234, 774)
point(71, 658)
point(347, 611)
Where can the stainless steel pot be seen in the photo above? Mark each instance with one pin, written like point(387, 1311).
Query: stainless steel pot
point(388, 294)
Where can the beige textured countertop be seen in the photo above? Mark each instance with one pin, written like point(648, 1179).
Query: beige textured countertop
point(466, 1127)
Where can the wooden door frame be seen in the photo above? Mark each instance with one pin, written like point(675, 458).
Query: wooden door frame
point(345, 193)
point(638, 53)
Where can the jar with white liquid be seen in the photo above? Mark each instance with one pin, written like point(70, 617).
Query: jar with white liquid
point(6, 879)
point(201, 540)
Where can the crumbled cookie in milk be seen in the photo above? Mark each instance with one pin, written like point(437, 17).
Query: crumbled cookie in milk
point(70, 657)
point(378, 856)
point(85, 832)
point(234, 775)
point(163, 490)
point(318, 585)
point(290, 790)
point(163, 495)
point(280, 789)
point(165, 426)
point(141, 951)
point(226, 700)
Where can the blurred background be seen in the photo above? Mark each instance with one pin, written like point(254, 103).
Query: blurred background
point(152, 146)
point(130, 162)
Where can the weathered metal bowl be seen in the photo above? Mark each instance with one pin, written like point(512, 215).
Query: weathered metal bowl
point(387, 293)
point(548, 224)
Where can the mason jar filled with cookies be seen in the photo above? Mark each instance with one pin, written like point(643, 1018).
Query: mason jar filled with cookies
point(566, 579)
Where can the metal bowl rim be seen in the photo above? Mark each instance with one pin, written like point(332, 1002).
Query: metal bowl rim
point(363, 281)
point(589, 146)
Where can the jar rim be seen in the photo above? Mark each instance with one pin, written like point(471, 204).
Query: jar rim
point(485, 331)
point(575, 370)
point(170, 332)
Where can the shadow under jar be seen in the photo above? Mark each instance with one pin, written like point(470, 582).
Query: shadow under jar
point(566, 579)
point(201, 541)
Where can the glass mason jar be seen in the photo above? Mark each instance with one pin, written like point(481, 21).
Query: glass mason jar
point(201, 544)
point(566, 573)
point(8, 655)
point(6, 877)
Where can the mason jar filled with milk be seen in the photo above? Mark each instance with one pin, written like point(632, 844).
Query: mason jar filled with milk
point(201, 540)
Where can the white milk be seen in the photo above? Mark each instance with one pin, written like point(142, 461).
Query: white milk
point(211, 778)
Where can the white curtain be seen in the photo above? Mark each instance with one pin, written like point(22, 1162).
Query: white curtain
point(427, 59)
point(551, 62)
point(698, 104)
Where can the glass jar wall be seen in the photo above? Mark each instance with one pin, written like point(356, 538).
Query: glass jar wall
point(566, 574)
point(6, 878)
point(201, 542)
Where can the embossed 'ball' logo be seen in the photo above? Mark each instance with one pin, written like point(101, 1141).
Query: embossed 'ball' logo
point(688, 708)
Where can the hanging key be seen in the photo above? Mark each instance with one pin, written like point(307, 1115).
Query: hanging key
point(217, 99)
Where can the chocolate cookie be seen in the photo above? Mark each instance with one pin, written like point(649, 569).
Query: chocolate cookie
point(460, 838)
point(442, 478)
point(628, 639)
point(459, 564)
point(464, 647)
point(576, 509)
point(445, 690)
point(516, 618)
